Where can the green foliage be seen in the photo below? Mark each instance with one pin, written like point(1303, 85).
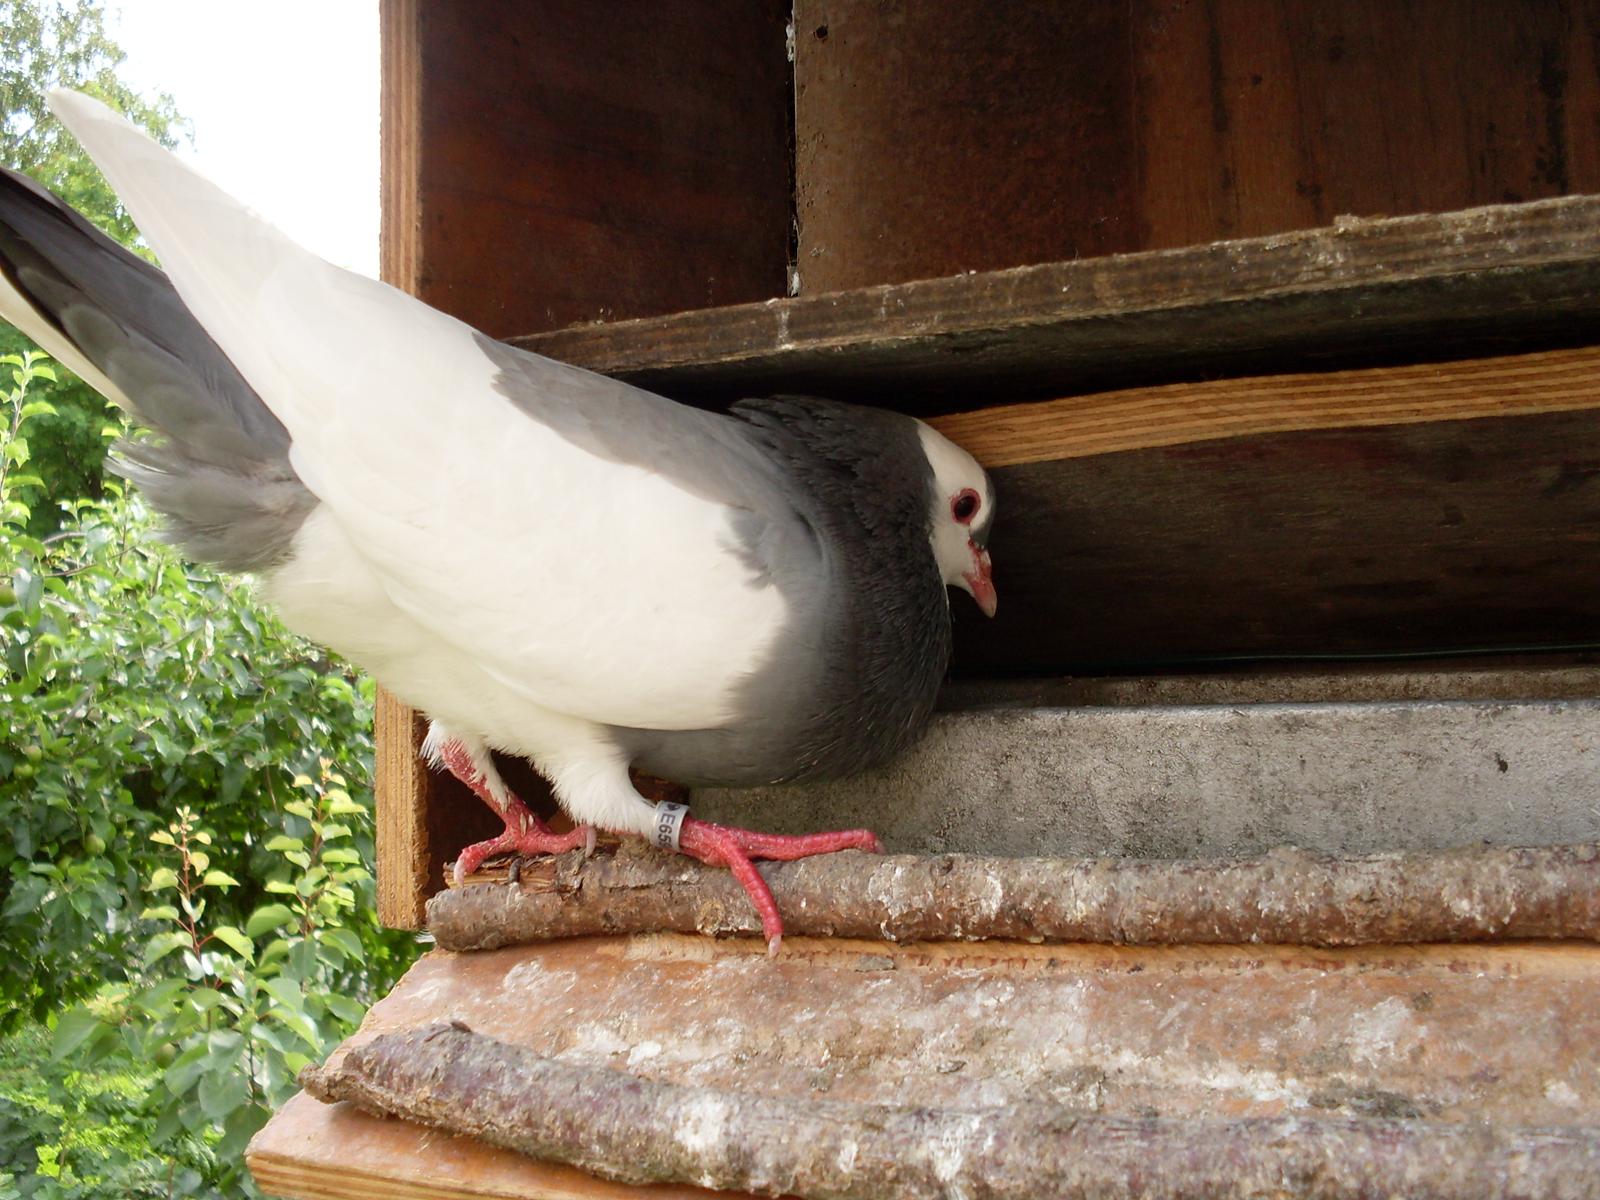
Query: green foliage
point(43, 45)
point(179, 849)
point(53, 44)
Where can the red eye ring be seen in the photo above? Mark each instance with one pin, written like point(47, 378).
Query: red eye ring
point(964, 505)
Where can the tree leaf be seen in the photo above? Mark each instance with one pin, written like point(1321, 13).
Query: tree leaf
point(162, 945)
point(216, 878)
point(234, 940)
point(75, 1026)
point(346, 941)
point(267, 917)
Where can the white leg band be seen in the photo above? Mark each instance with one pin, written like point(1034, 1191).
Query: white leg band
point(668, 824)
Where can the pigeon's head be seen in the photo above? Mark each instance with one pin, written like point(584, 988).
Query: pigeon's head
point(963, 514)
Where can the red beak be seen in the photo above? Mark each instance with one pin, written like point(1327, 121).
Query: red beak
point(979, 580)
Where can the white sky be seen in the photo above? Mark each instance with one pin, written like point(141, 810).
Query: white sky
point(283, 98)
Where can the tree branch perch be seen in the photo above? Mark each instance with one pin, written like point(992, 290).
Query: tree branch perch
point(1289, 897)
point(638, 1130)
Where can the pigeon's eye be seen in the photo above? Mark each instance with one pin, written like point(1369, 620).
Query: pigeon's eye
point(965, 505)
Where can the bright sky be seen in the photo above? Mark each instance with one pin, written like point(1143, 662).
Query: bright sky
point(283, 97)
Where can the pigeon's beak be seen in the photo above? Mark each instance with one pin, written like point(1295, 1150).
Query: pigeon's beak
point(979, 581)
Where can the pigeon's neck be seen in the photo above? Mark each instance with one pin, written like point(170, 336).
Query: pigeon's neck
point(865, 488)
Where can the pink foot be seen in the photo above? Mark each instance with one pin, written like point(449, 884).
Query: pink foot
point(725, 846)
point(525, 832)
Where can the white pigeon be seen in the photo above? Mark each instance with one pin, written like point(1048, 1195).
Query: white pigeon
point(547, 562)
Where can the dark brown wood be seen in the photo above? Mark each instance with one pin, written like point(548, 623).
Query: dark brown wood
point(1457, 536)
point(625, 1127)
point(572, 166)
point(1286, 897)
point(1461, 284)
point(932, 139)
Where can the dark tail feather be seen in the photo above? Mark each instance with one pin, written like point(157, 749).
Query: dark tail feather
point(221, 472)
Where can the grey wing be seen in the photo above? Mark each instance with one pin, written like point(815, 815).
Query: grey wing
point(222, 474)
point(708, 453)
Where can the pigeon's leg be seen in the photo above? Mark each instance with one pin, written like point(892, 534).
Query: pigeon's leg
point(724, 845)
point(525, 832)
point(592, 783)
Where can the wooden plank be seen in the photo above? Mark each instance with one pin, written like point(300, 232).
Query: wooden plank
point(402, 788)
point(1403, 539)
point(1151, 124)
point(1461, 284)
point(316, 1151)
point(1437, 1033)
point(399, 143)
point(1418, 393)
point(570, 169)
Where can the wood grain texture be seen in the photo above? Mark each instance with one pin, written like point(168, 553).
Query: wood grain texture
point(316, 1151)
point(399, 143)
point(1460, 284)
point(1064, 131)
point(574, 169)
point(1452, 1034)
point(1401, 539)
point(1140, 418)
point(402, 788)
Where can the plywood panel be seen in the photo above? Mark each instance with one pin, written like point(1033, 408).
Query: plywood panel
point(573, 167)
point(934, 139)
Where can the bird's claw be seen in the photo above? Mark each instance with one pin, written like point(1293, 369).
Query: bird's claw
point(726, 846)
point(530, 838)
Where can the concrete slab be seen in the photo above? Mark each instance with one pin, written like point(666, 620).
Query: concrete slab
point(1215, 780)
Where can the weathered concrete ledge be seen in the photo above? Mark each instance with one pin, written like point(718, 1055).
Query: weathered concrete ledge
point(1215, 780)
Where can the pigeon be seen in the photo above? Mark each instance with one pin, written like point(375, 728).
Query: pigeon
point(547, 562)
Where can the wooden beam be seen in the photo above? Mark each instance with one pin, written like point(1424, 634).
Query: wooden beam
point(402, 787)
point(1459, 284)
point(401, 784)
point(1415, 394)
point(400, 143)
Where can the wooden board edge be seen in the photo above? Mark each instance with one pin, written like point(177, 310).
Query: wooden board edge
point(402, 790)
point(381, 1162)
point(1362, 259)
point(400, 142)
point(1182, 413)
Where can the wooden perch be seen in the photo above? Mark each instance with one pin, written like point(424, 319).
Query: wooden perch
point(637, 1130)
point(1286, 897)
